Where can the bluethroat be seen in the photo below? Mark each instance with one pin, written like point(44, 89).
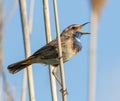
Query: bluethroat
point(48, 54)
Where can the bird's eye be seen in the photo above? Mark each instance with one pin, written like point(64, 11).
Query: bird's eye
point(73, 28)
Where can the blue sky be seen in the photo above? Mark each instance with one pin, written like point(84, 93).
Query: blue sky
point(76, 70)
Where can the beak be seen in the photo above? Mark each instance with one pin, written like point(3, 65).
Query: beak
point(83, 33)
point(79, 27)
point(84, 24)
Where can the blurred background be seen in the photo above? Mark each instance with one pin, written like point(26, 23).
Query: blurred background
point(77, 69)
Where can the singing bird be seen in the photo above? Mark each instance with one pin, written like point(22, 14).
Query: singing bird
point(48, 54)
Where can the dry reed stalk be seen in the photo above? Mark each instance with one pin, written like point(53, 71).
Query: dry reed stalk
point(64, 91)
point(97, 6)
point(48, 39)
point(4, 86)
point(26, 38)
point(24, 85)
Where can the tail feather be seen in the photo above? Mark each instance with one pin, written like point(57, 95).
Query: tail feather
point(16, 67)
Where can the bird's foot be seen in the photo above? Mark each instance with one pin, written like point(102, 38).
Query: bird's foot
point(64, 91)
point(60, 57)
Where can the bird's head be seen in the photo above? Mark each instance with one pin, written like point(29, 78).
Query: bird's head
point(72, 29)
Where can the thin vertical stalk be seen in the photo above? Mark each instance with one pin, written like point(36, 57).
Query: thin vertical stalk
point(1, 95)
point(11, 11)
point(64, 97)
point(97, 6)
point(48, 39)
point(24, 85)
point(31, 15)
point(26, 38)
point(4, 87)
point(92, 69)
point(1, 46)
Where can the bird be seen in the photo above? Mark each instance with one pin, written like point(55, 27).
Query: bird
point(49, 53)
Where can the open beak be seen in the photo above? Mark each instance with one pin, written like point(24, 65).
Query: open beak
point(84, 24)
point(79, 28)
point(83, 33)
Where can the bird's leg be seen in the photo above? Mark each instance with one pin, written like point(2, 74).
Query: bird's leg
point(60, 57)
point(55, 70)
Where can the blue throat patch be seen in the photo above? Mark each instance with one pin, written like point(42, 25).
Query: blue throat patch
point(77, 38)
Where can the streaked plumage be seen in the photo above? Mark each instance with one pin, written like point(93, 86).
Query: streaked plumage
point(48, 54)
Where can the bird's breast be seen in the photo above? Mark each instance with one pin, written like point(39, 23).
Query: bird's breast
point(70, 49)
